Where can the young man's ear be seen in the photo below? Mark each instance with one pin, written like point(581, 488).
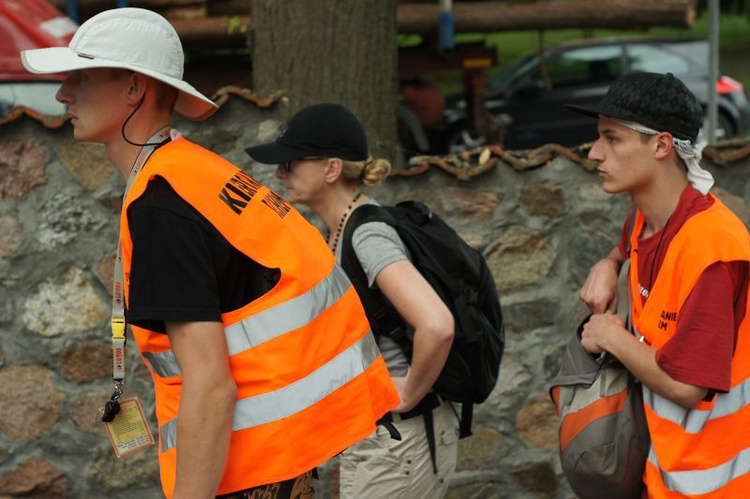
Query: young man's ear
point(334, 168)
point(136, 87)
point(664, 145)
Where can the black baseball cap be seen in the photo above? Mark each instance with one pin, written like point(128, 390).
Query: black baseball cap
point(328, 130)
point(658, 101)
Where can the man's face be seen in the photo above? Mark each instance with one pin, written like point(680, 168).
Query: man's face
point(96, 100)
point(624, 157)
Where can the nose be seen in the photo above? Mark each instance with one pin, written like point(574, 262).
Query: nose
point(595, 153)
point(64, 94)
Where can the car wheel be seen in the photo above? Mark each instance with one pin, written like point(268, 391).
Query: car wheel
point(724, 127)
point(460, 137)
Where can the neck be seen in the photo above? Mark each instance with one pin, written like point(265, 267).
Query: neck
point(658, 208)
point(337, 211)
point(123, 154)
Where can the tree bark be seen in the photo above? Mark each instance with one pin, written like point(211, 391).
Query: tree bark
point(337, 51)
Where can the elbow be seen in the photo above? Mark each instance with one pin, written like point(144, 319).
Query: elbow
point(223, 392)
point(445, 328)
point(230, 391)
point(687, 396)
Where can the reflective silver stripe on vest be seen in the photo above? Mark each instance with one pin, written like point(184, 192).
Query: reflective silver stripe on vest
point(163, 364)
point(268, 324)
point(288, 316)
point(297, 396)
point(694, 420)
point(704, 481)
point(168, 435)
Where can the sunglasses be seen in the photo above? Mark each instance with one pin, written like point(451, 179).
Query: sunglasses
point(287, 165)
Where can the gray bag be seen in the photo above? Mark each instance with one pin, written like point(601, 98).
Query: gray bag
point(602, 430)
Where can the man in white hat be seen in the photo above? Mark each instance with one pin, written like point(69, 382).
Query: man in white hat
point(263, 362)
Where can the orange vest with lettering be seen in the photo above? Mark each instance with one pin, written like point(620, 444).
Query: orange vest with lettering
point(703, 451)
point(310, 379)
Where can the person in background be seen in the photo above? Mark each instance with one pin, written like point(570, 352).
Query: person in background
point(263, 361)
point(688, 282)
point(323, 161)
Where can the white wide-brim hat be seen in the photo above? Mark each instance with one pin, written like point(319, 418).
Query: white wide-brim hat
point(136, 39)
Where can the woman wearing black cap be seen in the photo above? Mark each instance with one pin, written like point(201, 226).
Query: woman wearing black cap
point(323, 162)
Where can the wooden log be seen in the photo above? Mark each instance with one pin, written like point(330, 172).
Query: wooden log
point(481, 17)
point(213, 32)
point(230, 28)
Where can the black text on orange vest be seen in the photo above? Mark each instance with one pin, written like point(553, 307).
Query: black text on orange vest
point(277, 204)
point(665, 318)
point(238, 192)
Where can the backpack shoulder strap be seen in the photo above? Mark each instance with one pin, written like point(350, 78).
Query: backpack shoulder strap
point(383, 317)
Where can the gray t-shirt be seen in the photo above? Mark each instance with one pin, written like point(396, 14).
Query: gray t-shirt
point(377, 245)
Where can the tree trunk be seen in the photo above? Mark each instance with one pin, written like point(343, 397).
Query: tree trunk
point(338, 51)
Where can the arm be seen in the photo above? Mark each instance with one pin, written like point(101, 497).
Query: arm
point(599, 291)
point(206, 406)
point(420, 306)
point(606, 332)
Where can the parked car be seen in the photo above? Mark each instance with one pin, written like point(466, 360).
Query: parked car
point(30, 24)
point(580, 73)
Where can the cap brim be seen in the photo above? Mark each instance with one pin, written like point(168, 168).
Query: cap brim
point(587, 110)
point(274, 153)
point(190, 102)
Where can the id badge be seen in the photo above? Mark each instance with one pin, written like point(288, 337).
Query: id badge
point(129, 430)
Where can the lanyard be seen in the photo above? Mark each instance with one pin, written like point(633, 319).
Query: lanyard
point(118, 300)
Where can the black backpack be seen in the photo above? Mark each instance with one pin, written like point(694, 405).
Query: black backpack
point(460, 276)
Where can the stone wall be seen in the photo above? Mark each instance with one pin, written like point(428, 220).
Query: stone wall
point(59, 201)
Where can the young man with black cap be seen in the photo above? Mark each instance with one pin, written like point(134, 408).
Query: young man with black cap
point(688, 282)
point(263, 362)
point(323, 162)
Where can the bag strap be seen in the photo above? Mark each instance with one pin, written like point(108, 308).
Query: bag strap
point(383, 317)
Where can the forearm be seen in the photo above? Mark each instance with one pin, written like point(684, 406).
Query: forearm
point(599, 291)
point(203, 433)
point(640, 359)
point(204, 419)
point(616, 257)
point(431, 349)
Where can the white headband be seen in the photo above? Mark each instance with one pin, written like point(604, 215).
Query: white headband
point(689, 153)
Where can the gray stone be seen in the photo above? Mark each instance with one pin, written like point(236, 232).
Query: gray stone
point(11, 235)
point(86, 162)
point(65, 304)
point(34, 477)
point(29, 402)
point(519, 257)
point(65, 217)
point(545, 199)
point(22, 168)
point(529, 315)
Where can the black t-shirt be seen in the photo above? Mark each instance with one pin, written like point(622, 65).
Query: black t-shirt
point(182, 268)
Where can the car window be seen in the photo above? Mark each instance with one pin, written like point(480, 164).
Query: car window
point(500, 79)
point(583, 66)
point(655, 59)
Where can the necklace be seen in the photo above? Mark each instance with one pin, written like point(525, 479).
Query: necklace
point(343, 220)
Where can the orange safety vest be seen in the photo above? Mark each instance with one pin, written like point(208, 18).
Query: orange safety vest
point(703, 451)
point(310, 379)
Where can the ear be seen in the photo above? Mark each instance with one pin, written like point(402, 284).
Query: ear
point(333, 170)
point(664, 145)
point(136, 87)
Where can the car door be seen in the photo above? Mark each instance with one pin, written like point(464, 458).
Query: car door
point(580, 76)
